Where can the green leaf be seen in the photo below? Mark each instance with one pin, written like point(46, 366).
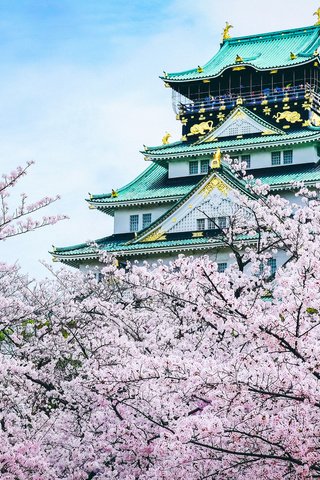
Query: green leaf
point(64, 333)
point(312, 311)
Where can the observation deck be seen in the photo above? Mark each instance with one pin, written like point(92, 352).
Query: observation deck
point(229, 100)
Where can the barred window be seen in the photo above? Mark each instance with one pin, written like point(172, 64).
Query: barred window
point(222, 267)
point(134, 223)
point(247, 159)
point(222, 222)
point(193, 168)
point(272, 263)
point(211, 225)
point(146, 220)
point(204, 166)
point(287, 157)
point(201, 224)
point(275, 158)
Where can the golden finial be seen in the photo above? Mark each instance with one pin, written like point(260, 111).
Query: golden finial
point(293, 56)
point(165, 138)
point(114, 193)
point(216, 160)
point(116, 262)
point(165, 74)
point(317, 14)
point(199, 69)
point(239, 59)
point(226, 31)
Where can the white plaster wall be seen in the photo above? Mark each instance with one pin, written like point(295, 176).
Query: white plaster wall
point(259, 159)
point(221, 255)
point(179, 168)
point(301, 154)
point(122, 216)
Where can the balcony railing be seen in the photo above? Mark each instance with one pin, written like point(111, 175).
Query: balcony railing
point(264, 97)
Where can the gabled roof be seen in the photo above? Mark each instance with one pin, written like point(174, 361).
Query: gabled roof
point(258, 124)
point(245, 115)
point(184, 149)
point(127, 245)
point(222, 178)
point(263, 52)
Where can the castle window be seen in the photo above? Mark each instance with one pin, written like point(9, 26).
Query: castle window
point(272, 263)
point(222, 267)
point(247, 159)
point(146, 220)
point(275, 158)
point(134, 223)
point(222, 222)
point(287, 157)
point(204, 166)
point(193, 168)
point(201, 224)
point(211, 225)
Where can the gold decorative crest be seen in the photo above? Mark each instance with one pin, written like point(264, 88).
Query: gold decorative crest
point(226, 31)
point(154, 236)
point(215, 182)
point(201, 128)
point(292, 117)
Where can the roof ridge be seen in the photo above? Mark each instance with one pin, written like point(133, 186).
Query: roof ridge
point(275, 33)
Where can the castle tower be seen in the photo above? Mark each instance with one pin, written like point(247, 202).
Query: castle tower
point(257, 99)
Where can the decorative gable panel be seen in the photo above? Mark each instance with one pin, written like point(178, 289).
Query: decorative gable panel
point(242, 122)
point(213, 208)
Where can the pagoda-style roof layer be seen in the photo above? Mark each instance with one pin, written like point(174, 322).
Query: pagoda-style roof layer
point(126, 245)
point(152, 185)
point(183, 149)
point(121, 248)
point(275, 177)
point(263, 52)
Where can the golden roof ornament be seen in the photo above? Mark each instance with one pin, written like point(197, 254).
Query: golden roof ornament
point(293, 56)
point(199, 69)
point(317, 14)
point(239, 59)
point(216, 160)
point(165, 138)
point(114, 193)
point(226, 31)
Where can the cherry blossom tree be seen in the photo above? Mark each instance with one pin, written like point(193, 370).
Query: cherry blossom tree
point(177, 371)
point(19, 220)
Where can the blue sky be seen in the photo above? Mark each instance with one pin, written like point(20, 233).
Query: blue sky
point(80, 94)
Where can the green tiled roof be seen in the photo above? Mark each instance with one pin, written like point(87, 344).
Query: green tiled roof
point(287, 175)
point(263, 52)
point(153, 183)
point(113, 246)
point(183, 148)
point(276, 177)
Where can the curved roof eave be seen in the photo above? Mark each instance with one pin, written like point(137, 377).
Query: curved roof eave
point(230, 66)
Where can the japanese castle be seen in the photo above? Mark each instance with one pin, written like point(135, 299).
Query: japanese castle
point(258, 100)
